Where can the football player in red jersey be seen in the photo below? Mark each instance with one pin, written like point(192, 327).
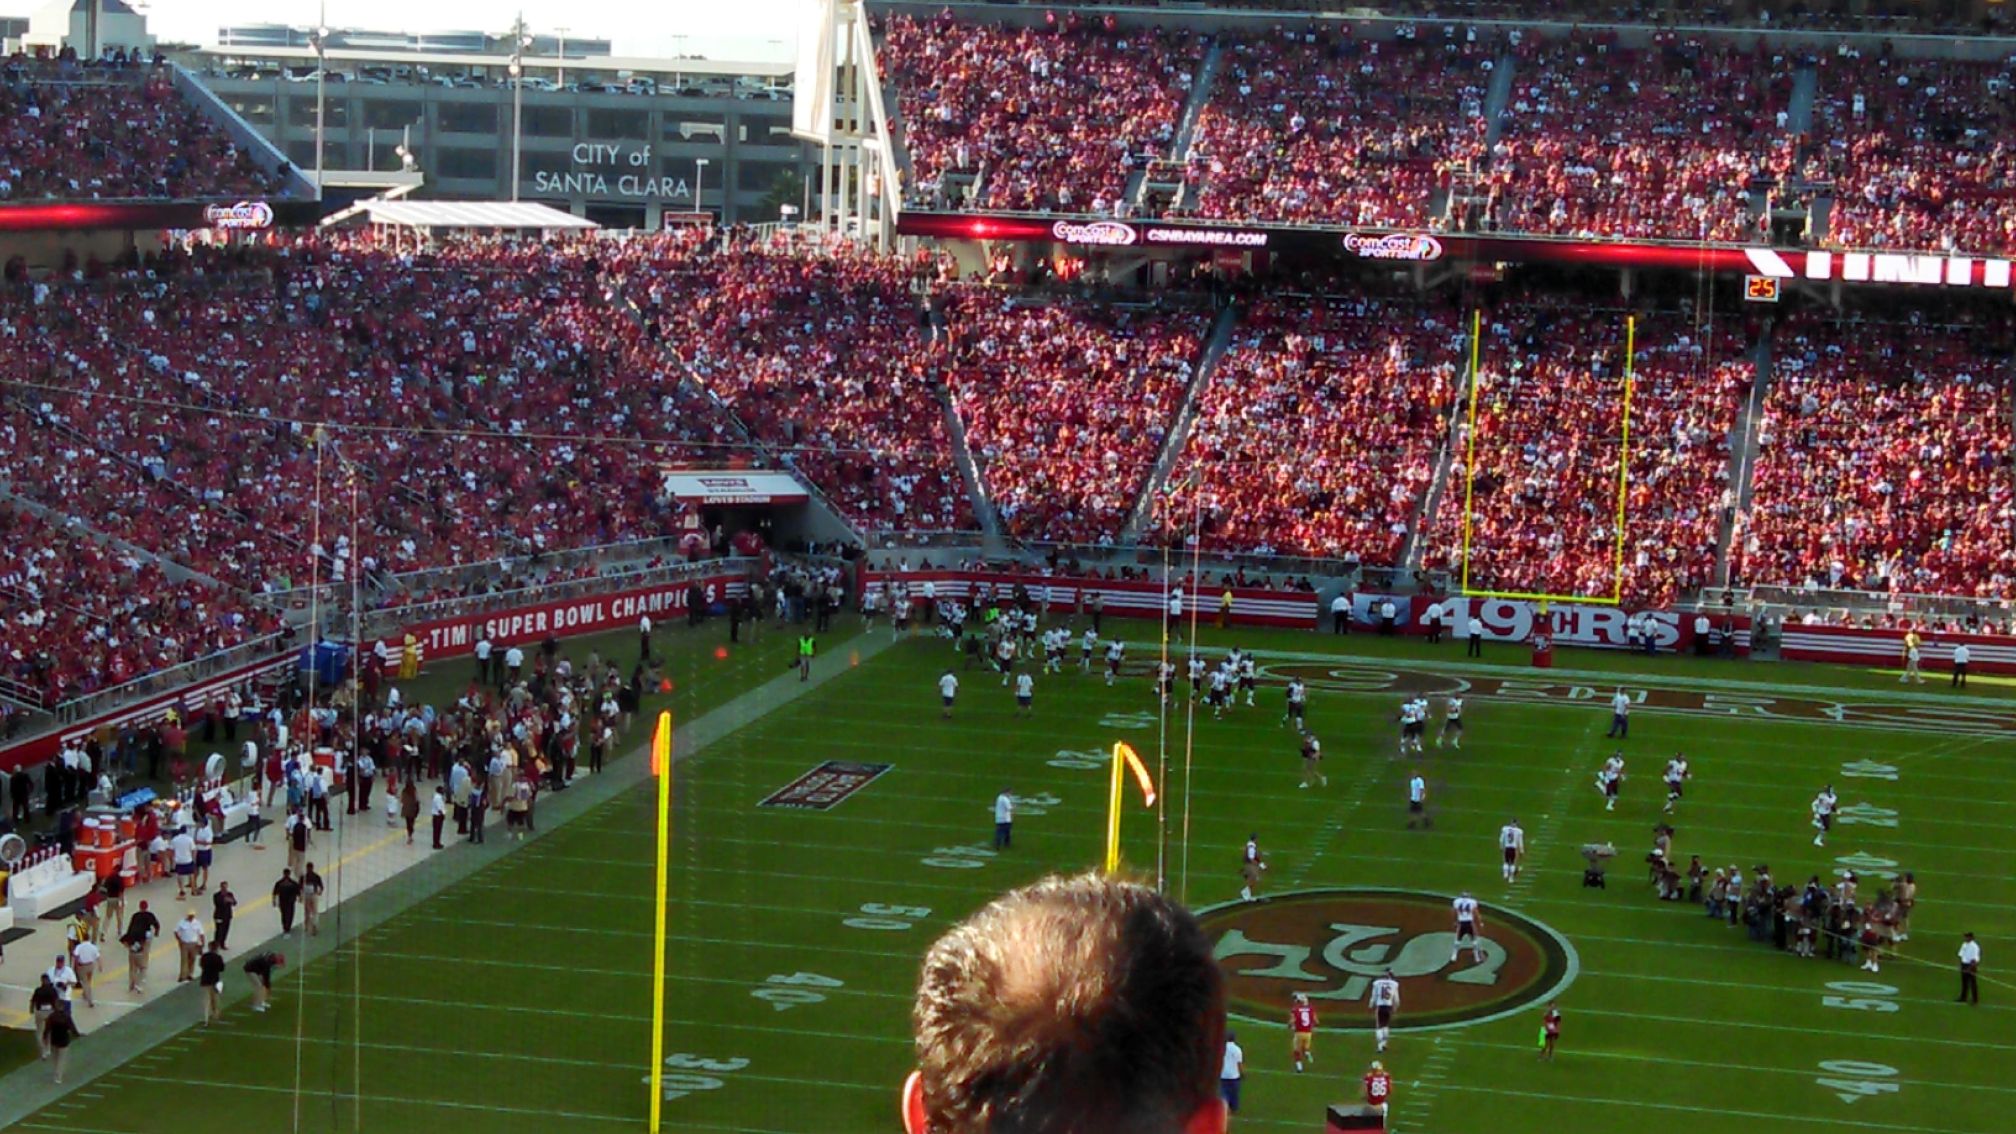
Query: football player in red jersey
point(1550, 1030)
point(1378, 1087)
point(1302, 1023)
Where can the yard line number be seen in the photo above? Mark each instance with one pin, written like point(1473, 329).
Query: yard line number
point(1852, 1080)
point(1860, 996)
point(688, 1074)
point(875, 915)
point(785, 991)
point(968, 857)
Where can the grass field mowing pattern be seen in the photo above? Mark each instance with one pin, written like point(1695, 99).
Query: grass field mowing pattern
point(519, 999)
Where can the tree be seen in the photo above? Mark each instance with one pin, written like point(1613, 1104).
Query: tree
point(787, 189)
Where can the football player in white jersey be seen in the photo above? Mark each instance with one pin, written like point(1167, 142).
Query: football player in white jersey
point(1823, 814)
point(1116, 651)
point(1025, 694)
point(1512, 848)
point(1252, 865)
point(1055, 642)
point(1298, 704)
point(1087, 645)
point(1312, 761)
point(1610, 779)
point(1452, 724)
point(1677, 774)
point(1221, 692)
point(1197, 670)
point(1246, 677)
point(1385, 1001)
point(1165, 679)
point(1469, 920)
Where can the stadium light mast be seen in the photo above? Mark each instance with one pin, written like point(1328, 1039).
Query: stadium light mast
point(319, 40)
point(519, 42)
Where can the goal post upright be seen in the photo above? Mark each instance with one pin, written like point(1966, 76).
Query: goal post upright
point(1624, 449)
point(1470, 458)
point(1616, 596)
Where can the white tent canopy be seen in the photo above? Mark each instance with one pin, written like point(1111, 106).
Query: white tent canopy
point(490, 215)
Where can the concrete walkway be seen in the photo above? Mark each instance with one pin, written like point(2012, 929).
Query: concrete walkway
point(354, 859)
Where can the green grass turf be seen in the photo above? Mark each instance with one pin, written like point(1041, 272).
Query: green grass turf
point(520, 1000)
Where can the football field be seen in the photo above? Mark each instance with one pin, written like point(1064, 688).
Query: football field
point(821, 845)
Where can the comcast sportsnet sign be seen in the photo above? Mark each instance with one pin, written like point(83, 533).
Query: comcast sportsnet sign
point(244, 216)
point(1331, 944)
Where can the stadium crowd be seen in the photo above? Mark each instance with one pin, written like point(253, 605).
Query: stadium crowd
point(821, 354)
point(77, 615)
point(1066, 406)
point(1319, 431)
point(110, 130)
point(1307, 126)
point(1679, 138)
point(1602, 140)
point(1883, 459)
point(329, 406)
point(1917, 150)
point(1049, 117)
point(333, 361)
point(1542, 508)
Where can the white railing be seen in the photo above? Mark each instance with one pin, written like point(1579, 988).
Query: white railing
point(462, 576)
point(1841, 605)
point(190, 672)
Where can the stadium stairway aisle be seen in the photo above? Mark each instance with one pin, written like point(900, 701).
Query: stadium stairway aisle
point(1143, 512)
point(354, 859)
point(1743, 451)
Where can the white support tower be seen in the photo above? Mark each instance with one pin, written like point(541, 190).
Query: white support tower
point(838, 105)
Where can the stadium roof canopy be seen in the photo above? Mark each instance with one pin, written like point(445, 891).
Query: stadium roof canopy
point(487, 215)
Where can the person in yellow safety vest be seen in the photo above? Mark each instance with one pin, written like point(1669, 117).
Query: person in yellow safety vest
point(807, 644)
point(1225, 609)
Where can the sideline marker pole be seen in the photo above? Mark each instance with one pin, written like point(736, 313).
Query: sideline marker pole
point(661, 766)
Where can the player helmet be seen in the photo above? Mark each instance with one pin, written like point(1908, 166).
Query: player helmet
point(1301, 998)
point(1378, 1066)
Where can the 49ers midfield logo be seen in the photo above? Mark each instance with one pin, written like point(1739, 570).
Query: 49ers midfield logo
point(1331, 944)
